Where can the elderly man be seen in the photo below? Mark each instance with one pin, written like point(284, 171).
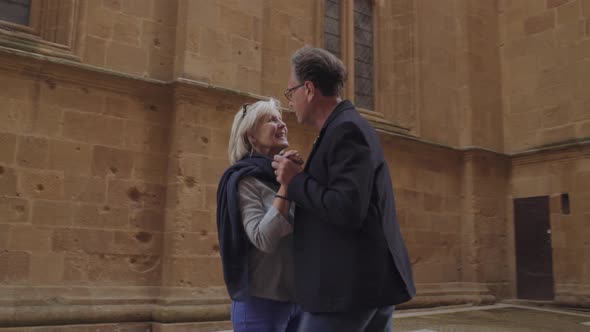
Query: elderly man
point(351, 264)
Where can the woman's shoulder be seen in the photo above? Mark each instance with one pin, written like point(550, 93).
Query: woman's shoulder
point(253, 184)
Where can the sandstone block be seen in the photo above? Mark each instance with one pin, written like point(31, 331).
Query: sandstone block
point(568, 13)
point(144, 137)
point(194, 40)
point(10, 117)
point(203, 222)
point(72, 158)
point(160, 65)
point(16, 87)
point(127, 58)
point(556, 116)
point(41, 119)
point(194, 139)
point(236, 22)
point(29, 238)
point(52, 213)
point(156, 36)
point(150, 220)
point(85, 189)
point(558, 134)
point(432, 203)
point(76, 267)
point(100, 23)
point(582, 183)
point(14, 210)
point(8, 181)
point(150, 167)
point(32, 152)
point(138, 8)
point(148, 108)
point(556, 3)
point(47, 268)
point(212, 169)
point(71, 98)
point(165, 13)
point(4, 232)
point(113, 269)
point(216, 45)
point(219, 144)
point(247, 53)
point(127, 29)
point(95, 51)
point(94, 129)
point(15, 266)
point(101, 217)
point(114, 5)
point(191, 243)
point(37, 184)
point(189, 167)
point(198, 68)
point(136, 194)
point(193, 272)
point(586, 8)
point(82, 240)
point(111, 162)
point(540, 22)
point(211, 197)
point(249, 79)
point(178, 220)
point(138, 243)
point(205, 13)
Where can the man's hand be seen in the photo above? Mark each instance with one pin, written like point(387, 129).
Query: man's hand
point(285, 168)
point(294, 156)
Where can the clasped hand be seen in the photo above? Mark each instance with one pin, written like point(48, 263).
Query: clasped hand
point(287, 166)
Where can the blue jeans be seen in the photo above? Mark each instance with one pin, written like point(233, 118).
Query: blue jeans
point(372, 320)
point(256, 314)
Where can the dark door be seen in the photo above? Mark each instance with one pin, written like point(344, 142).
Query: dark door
point(534, 262)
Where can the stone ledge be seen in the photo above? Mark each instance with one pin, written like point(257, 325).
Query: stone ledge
point(433, 295)
point(573, 295)
point(26, 306)
point(59, 314)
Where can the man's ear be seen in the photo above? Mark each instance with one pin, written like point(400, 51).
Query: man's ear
point(310, 90)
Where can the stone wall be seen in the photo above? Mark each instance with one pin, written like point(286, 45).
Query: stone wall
point(130, 36)
point(551, 174)
point(546, 71)
point(109, 165)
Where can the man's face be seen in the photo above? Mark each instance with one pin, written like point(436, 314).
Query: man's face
point(298, 99)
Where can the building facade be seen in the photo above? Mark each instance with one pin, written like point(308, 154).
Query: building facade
point(115, 118)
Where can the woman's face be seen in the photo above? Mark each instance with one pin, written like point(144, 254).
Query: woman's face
point(270, 136)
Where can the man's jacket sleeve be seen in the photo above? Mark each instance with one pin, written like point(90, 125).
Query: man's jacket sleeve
point(343, 197)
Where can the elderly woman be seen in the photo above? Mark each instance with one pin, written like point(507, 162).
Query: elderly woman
point(254, 223)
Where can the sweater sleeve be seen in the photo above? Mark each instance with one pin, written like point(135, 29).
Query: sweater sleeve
point(264, 226)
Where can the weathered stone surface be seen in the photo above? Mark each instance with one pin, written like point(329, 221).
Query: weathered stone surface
point(108, 176)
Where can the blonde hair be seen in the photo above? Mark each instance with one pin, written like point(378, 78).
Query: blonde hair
point(245, 122)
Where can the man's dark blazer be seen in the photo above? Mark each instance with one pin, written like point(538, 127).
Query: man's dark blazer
point(348, 248)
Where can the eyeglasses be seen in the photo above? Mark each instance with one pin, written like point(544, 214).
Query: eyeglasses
point(289, 92)
point(244, 108)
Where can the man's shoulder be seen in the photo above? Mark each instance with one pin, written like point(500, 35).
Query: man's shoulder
point(351, 120)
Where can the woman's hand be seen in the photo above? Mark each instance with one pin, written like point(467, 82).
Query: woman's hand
point(294, 156)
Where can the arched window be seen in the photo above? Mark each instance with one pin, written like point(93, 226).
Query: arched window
point(348, 34)
point(15, 11)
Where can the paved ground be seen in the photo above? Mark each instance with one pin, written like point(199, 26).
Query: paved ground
point(496, 318)
point(493, 318)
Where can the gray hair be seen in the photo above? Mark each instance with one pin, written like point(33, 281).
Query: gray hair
point(245, 122)
point(321, 67)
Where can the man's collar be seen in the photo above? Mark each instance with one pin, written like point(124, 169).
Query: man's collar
point(343, 105)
